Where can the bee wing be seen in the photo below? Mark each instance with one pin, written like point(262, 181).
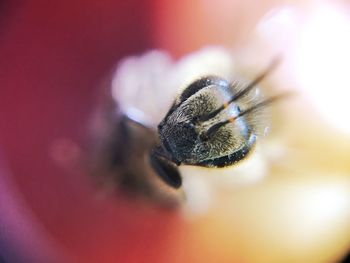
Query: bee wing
point(140, 87)
point(145, 86)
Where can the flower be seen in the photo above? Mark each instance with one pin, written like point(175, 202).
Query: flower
point(55, 59)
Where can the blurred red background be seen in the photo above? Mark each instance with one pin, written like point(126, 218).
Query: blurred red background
point(53, 57)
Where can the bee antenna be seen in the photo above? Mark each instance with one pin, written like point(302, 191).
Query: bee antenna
point(274, 63)
point(209, 133)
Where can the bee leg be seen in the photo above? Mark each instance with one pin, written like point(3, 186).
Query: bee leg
point(165, 168)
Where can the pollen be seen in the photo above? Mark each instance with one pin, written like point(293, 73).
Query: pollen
point(232, 119)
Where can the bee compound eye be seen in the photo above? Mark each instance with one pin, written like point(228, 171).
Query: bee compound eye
point(166, 169)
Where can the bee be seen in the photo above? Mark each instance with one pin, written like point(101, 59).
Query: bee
point(210, 124)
